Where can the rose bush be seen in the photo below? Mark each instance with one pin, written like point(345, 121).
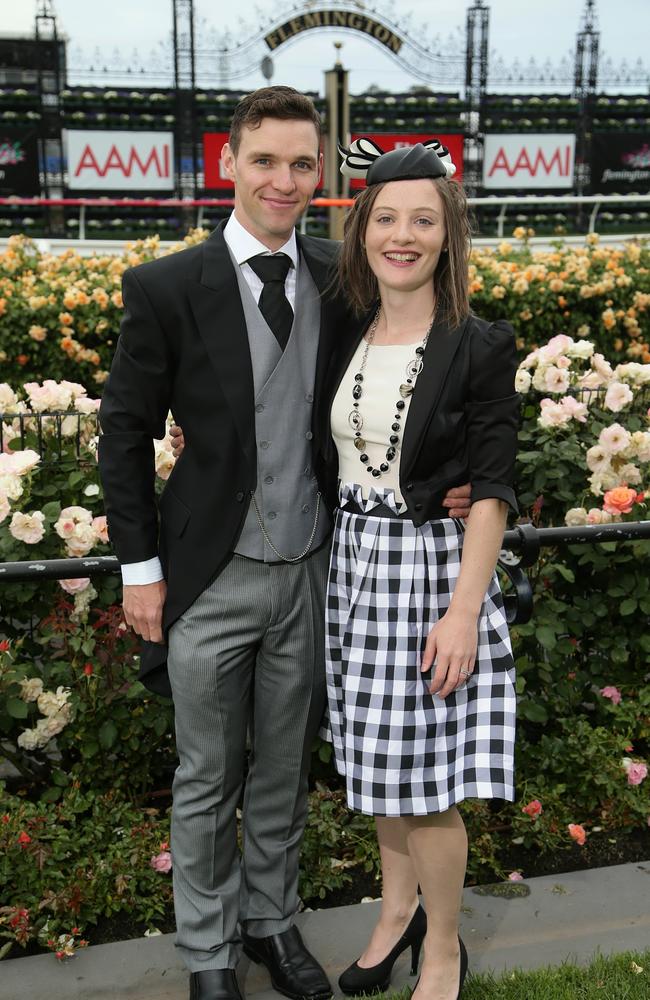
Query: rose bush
point(60, 314)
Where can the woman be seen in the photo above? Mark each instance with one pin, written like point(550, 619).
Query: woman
point(419, 666)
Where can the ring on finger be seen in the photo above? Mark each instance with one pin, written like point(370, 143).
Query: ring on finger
point(465, 673)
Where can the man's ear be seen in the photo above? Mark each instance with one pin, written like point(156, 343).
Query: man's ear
point(320, 168)
point(228, 160)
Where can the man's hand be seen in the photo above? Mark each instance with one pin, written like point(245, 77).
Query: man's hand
point(143, 605)
point(458, 501)
point(178, 440)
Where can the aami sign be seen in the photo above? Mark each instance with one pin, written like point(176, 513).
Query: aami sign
point(535, 161)
point(120, 161)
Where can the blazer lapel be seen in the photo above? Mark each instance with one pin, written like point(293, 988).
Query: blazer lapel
point(216, 304)
point(320, 264)
point(439, 354)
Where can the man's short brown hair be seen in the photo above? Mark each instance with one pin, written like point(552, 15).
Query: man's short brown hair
point(283, 103)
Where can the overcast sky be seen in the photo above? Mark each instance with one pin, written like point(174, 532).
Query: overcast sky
point(521, 28)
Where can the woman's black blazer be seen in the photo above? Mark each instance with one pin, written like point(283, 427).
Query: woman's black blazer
point(462, 423)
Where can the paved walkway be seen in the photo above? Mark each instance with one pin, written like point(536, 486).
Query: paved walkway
point(542, 921)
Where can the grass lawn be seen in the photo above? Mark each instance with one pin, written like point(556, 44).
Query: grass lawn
point(621, 977)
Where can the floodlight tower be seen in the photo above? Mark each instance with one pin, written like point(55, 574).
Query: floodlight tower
point(185, 85)
point(585, 82)
point(50, 80)
point(476, 73)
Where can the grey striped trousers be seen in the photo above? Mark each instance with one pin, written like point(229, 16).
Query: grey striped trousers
point(245, 658)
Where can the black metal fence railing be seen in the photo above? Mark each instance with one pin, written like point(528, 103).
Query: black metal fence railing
point(521, 548)
point(50, 433)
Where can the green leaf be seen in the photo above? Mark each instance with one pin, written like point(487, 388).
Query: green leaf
point(107, 734)
point(545, 635)
point(51, 794)
point(628, 606)
point(16, 708)
point(533, 711)
point(52, 510)
point(567, 573)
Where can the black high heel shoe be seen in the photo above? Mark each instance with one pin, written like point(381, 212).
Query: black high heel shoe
point(464, 964)
point(355, 980)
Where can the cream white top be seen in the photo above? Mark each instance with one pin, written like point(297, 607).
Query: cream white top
point(384, 373)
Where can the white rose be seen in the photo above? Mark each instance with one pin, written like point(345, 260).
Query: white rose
point(641, 445)
point(632, 372)
point(85, 405)
point(556, 379)
point(629, 474)
point(10, 485)
point(81, 541)
point(595, 515)
point(51, 702)
point(577, 411)
point(581, 349)
point(5, 509)
point(522, 381)
point(603, 367)
point(530, 360)
point(597, 458)
point(539, 379)
point(552, 415)
point(23, 461)
point(8, 398)
point(576, 516)
point(28, 740)
point(28, 528)
point(617, 396)
point(31, 688)
point(614, 439)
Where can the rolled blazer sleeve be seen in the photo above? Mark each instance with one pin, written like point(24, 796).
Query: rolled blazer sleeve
point(133, 411)
point(492, 413)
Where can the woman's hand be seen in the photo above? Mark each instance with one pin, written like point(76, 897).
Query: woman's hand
point(451, 646)
point(178, 440)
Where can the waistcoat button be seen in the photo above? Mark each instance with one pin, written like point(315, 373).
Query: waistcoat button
point(264, 444)
point(268, 480)
point(259, 407)
point(271, 515)
point(309, 435)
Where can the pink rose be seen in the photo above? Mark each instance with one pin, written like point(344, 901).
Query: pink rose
point(515, 877)
point(636, 773)
point(161, 862)
point(533, 809)
point(101, 528)
point(75, 586)
point(577, 832)
point(612, 693)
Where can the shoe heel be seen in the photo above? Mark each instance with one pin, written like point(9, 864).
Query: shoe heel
point(416, 948)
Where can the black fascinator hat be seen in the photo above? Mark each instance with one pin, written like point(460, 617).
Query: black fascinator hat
point(366, 160)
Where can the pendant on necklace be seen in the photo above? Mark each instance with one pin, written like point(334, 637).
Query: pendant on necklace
point(359, 444)
point(355, 420)
point(405, 390)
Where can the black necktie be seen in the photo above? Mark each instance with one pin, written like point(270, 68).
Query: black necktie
point(274, 305)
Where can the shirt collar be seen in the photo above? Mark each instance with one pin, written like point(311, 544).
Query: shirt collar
point(243, 245)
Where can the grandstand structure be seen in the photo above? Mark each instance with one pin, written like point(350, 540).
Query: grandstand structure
point(523, 129)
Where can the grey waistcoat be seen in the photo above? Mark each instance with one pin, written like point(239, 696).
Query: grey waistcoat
point(284, 393)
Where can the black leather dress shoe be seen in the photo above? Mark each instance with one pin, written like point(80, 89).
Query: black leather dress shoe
point(293, 970)
point(214, 984)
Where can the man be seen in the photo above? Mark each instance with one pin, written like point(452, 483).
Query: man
point(234, 338)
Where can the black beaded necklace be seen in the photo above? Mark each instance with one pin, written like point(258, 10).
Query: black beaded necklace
point(355, 418)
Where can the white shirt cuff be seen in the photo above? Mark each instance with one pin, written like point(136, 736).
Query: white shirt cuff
point(140, 573)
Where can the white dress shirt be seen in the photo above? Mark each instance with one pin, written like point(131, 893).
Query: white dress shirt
point(242, 245)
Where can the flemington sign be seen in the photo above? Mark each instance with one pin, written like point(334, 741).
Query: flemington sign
point(334, 18)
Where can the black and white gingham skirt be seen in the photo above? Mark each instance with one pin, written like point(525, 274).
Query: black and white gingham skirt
point(403, 751)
